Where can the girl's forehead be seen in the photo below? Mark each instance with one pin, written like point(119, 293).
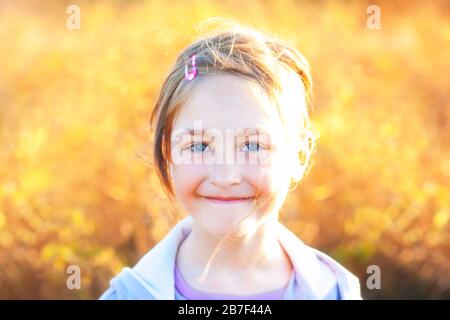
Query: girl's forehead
point(227, 101)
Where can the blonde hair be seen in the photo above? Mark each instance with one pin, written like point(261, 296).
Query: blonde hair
point(281, 71)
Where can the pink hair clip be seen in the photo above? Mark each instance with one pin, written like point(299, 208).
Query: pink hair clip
point(189, 75)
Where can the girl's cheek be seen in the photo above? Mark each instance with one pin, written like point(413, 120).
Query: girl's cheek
point(186, 179)
point(263, 178)
point(267, 186)
point(271, 172)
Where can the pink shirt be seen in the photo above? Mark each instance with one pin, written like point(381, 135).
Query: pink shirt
point(184, 292)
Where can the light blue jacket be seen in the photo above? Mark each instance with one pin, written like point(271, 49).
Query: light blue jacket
point(317, 276)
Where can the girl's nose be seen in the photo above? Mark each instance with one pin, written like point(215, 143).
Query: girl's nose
point(224, 175)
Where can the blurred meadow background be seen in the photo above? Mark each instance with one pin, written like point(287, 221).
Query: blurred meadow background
point(76, 182)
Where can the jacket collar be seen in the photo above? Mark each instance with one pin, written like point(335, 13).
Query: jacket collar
point(316, 273)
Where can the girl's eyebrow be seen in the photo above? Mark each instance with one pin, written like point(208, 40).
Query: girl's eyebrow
point(245, 131)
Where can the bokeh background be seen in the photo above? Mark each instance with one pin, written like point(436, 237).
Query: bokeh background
point(76, 181)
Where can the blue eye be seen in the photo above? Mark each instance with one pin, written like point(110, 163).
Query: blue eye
point(253, 146)
point(198, 147)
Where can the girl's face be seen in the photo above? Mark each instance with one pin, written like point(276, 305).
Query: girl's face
point(229, 147)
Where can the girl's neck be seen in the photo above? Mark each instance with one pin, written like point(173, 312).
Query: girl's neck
point(255, 253)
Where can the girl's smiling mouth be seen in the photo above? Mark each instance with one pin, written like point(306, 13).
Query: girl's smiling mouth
point(225, 200)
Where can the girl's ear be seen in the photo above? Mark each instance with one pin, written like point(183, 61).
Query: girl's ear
point(302, 157)
point(299, 165)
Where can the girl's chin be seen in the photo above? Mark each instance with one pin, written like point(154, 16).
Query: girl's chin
point(221, 229)
point(225, 222)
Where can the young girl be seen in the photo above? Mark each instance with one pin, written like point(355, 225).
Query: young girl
point(232, 134)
